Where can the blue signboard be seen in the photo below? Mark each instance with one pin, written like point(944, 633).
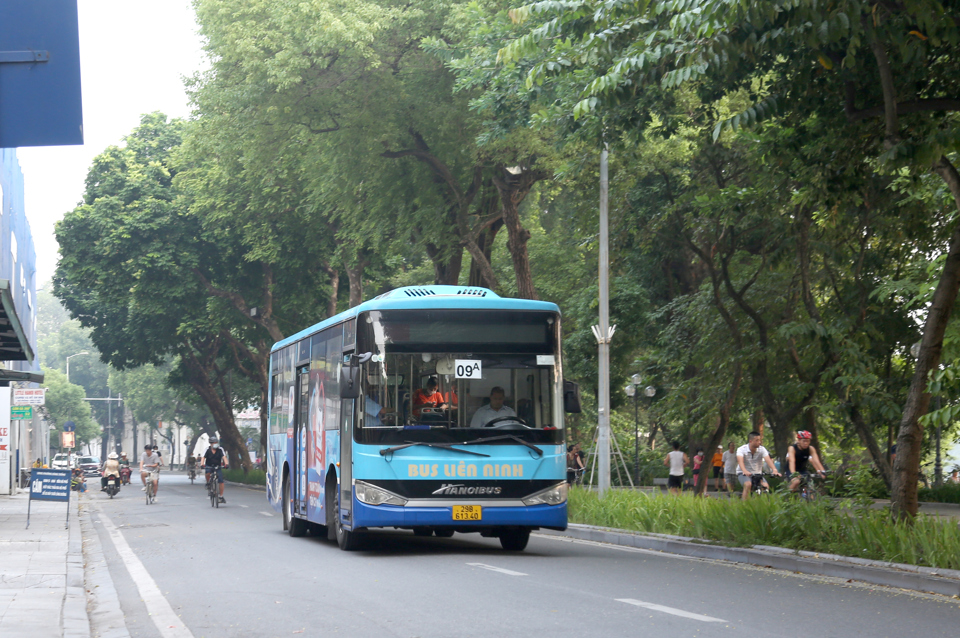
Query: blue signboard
point(40, 104)
point(69, 426)
point(49, 485)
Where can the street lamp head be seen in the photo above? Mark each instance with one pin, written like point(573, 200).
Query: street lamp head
point(649, 391)
point(637, 378)
point(631, 390)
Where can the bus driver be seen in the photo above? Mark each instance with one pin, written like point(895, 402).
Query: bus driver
point(494, 410)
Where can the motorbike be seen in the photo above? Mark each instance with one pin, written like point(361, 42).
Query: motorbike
point(113, 486)
point(125, 475)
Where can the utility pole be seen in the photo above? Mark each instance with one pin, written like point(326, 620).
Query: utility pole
point(604, 334)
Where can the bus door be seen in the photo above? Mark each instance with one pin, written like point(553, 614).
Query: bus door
point(300, 425)
point(346, 459)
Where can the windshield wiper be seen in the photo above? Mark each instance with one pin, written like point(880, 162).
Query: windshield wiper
point(443, 446)
point(501, 438)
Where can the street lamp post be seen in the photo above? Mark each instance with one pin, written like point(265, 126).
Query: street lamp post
point(68, 362)
point(632, 391)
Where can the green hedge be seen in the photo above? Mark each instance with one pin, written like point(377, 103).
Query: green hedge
point(253, 477)
point(823, 526)
point(948, 493)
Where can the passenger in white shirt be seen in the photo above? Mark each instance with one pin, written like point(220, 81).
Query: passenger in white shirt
point(750, 460)
point(494, 410)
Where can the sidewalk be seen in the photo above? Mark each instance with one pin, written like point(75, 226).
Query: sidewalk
point(41, 570)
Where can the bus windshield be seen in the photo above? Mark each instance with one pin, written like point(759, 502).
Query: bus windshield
point(441, 376)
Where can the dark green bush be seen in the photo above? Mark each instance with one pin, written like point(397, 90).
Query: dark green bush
point(253, 477)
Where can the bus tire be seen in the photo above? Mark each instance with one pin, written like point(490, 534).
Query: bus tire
point(296, 527)
point(514, 540)
point(285, 507)
point(330, 506)
point(347, 540)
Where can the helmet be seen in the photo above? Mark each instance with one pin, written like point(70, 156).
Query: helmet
point(214, 439)
point(803, 434)
point(112, 455)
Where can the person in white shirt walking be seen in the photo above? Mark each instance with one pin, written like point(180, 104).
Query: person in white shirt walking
point(676, 461)
point(730, 468)
point(750, 460)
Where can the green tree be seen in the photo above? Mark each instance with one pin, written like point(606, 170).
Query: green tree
point(64, 402)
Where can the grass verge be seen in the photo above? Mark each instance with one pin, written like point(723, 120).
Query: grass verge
point(836, 528)
point(253, 477)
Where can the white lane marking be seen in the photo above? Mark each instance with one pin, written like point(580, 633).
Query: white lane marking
point(168, 623)
point(266, 513)
point(499, 570)
point(669, 610)
point(243, 506)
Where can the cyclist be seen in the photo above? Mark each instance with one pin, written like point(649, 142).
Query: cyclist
point(214, 460)
point(750, 460)
point(798, 455)
point(150, 462)
point(191, 465)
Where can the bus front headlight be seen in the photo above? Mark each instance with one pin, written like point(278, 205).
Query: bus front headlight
point(373, 495)
point(550, 496)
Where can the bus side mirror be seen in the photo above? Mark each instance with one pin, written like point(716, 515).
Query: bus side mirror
point(350, 382)
point(571, 397)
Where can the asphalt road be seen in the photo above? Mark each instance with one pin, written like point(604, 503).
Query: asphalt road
point(233, 572)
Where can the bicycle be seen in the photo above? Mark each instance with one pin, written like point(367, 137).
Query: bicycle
point(811, 486)
point(151, 491)
point(213, 490)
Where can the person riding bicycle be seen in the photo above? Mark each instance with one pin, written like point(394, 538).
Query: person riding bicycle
point(750, 460)
point(191, 465)
point(798, 455)
point(150, 461)
point(214, 460)
point(111, 467)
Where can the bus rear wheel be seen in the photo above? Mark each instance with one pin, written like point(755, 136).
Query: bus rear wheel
point(514, 540)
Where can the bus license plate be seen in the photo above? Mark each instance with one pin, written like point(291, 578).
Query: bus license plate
point(467, 512)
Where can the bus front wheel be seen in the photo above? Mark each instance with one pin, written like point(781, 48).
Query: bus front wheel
point(295, 526)
point(514, 540)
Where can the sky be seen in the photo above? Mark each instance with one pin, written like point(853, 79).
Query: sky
point(134, 55)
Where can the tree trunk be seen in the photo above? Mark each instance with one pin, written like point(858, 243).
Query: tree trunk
point(485, 244)
point(446, 266)
point(906, 465)
point(880, 459)
point(723, 421)
point(513, 188)
point(355, 277)
point(334, 275)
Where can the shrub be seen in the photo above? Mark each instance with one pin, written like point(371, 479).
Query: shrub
point(783, 521)
point(253, 477)
point(947, 493)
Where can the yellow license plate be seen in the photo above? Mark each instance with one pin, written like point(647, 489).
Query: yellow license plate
point(467, 512)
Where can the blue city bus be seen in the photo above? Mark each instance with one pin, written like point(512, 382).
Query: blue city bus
point(355, 444)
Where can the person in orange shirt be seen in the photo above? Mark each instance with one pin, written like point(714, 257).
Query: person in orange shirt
point(427, 397)
point(718, 466)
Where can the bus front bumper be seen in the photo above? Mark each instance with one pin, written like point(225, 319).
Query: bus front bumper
point(547, 516)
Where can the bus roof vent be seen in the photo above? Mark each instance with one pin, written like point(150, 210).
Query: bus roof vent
point(419, 292)
point(473, 292)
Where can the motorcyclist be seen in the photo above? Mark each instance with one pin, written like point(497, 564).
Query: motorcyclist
point(125, 470)
point(111, 467)
point(191, 466)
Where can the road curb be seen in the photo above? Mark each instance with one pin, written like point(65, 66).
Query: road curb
point(924, 579)
point(76, 624)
